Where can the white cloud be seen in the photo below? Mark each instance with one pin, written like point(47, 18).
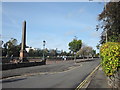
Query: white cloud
point(81, 10)
point(86, 29)
point(75, 13)
point(69, 33)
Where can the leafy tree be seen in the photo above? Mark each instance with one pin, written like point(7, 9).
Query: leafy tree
point(75, 45)
point(52, 52)
point(110, 22)
point(93, 53)
point(64, 53)
point(46, 51)
point(36, 52)
point(70, 53)
point(98, 46)
point(11, 48)
point(97, 55)
point(31, 53)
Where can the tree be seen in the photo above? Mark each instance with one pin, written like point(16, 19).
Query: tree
point(36, 52)
point(89, 51)
point(31, 53)
point(1, 43)
point(97, 55)
point(110, 22)
point(64, 53)
point(11, 48)
point(46, 51)
point(4, 50)
point(98, 46)
point(82, 52)
point(86, 51)
point(52, 52)
point(75, 46)
point(93, 53)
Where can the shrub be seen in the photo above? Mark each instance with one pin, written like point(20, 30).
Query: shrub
point(110, 54)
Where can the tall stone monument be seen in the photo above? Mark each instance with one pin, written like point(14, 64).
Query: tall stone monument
point(23, 52)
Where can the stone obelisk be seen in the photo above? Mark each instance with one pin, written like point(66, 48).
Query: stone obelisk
point(23, 53)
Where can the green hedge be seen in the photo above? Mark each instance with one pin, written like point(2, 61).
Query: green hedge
point(110, 54)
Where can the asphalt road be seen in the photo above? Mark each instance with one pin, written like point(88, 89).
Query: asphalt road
point(61, 75)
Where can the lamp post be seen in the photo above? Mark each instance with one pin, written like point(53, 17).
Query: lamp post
point(44, 49)
point(105, 20)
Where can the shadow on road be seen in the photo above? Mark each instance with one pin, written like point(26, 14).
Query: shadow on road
point(12, 80)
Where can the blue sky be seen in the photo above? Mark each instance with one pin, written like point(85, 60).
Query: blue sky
point(56, 23)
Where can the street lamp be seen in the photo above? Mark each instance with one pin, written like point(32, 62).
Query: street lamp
point(105, 20)
point(44, 49)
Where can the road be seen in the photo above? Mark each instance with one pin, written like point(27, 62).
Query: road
point(61, 75)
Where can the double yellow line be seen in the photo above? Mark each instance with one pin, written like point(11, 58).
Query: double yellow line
point(86, 80)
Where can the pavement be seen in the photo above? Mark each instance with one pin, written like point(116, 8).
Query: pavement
point(96, 80)
point(99, 80)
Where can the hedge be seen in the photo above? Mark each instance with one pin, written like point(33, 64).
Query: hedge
point(110, 54)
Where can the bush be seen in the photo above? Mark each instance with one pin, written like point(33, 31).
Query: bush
point(110, 54)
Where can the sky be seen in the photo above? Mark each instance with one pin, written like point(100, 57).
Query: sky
point(55, 22)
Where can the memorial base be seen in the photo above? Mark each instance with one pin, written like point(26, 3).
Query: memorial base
point(23, 56)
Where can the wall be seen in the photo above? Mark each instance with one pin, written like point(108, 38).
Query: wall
point(7, 66)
